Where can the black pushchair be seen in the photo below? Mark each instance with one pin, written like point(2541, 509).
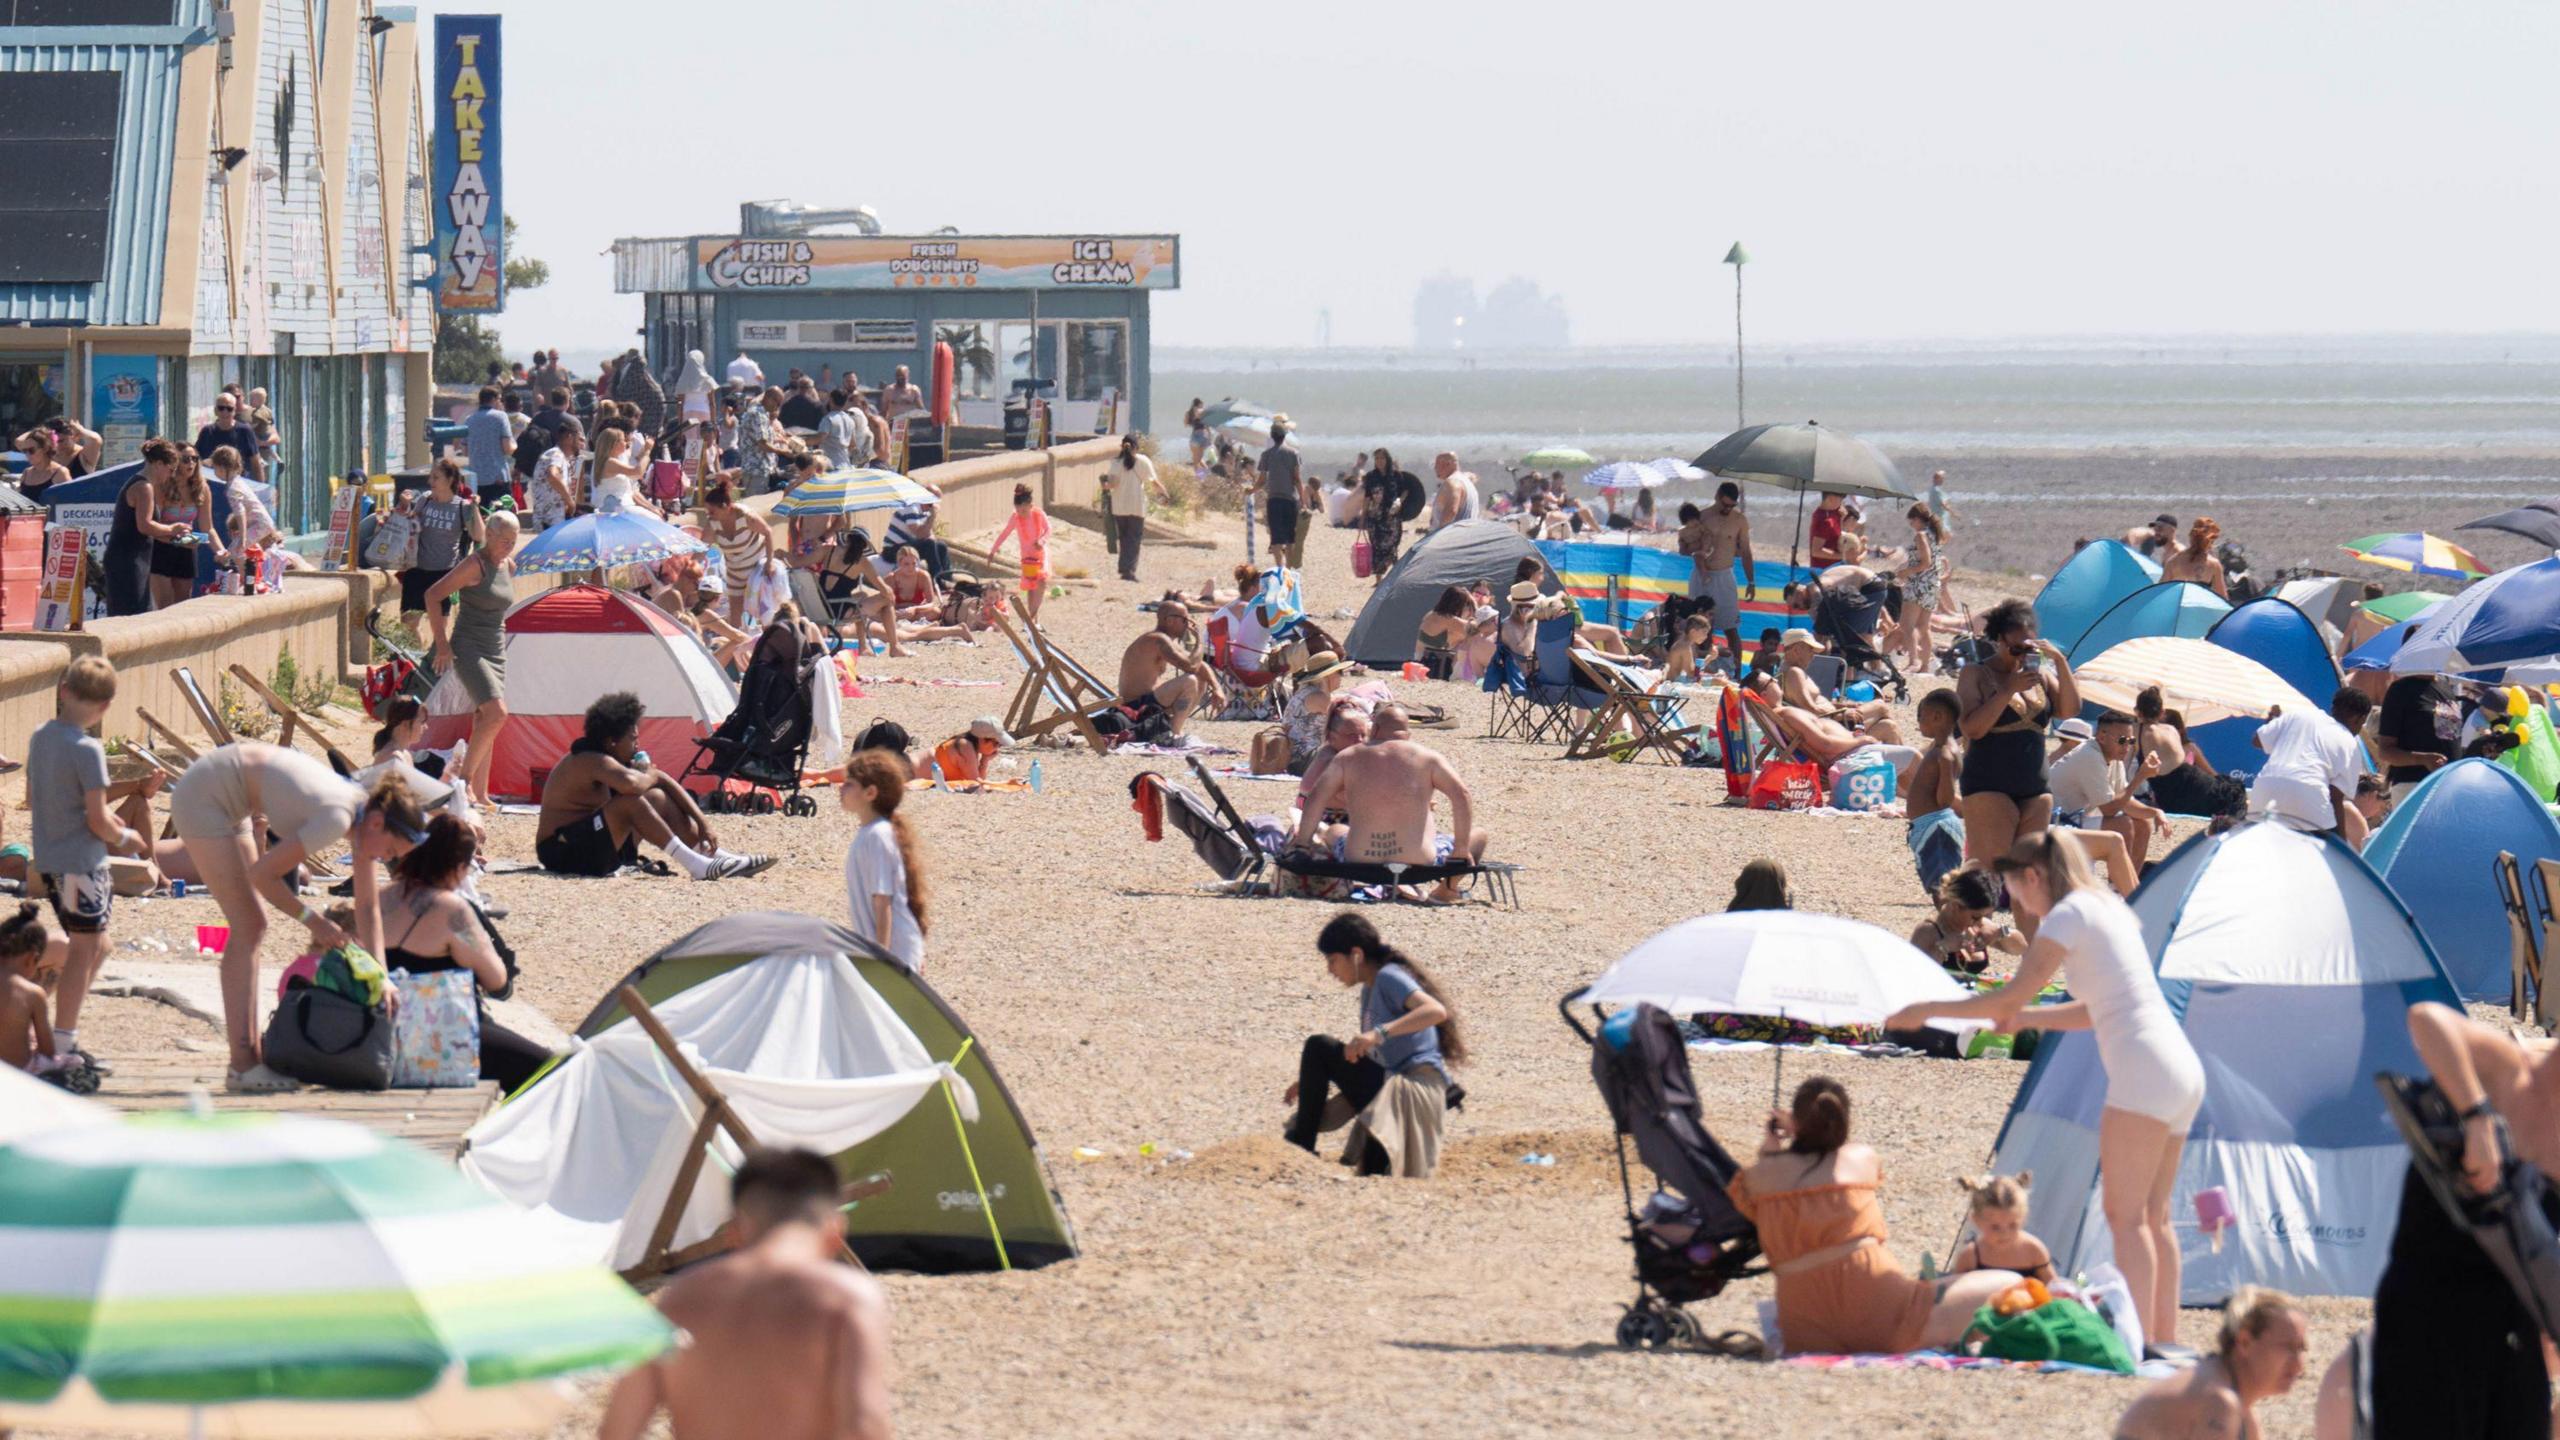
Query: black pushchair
point(764, 743)
point(1849, 623)
point(1689, 1240)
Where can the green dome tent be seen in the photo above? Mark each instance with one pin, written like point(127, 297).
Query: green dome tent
point(798, 1022)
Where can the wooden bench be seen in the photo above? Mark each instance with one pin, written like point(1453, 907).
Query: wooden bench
point(434, 1119)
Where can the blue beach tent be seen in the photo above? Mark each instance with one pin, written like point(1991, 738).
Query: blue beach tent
point(2291, 967)
point(2178, 607)
point(2087, 586)
point(2282, 638)
point(2435, 851)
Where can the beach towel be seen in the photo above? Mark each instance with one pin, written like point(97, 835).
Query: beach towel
point(1181, 745)
point(1940, 1360)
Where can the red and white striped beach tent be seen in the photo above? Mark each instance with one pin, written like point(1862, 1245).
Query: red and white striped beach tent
point(568, 647)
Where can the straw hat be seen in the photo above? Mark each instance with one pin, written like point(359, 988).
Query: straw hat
point(1798, 635)
point(1525, 593)
point(1321, 664)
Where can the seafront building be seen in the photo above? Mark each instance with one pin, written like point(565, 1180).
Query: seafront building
point(212, 190)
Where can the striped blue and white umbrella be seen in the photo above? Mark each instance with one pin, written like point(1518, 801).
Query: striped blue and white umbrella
point(842, 492)
point(2511, 619)
point(244, 1274)
point(1675, 468)
point(612, 536)
point(1624, 475)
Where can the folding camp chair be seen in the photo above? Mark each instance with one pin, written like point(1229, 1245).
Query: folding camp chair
point(1631, 720)
point(1052, 681)
point(1255, 685)
point(1828, 673)
point(812, 599)
point(1241, 857)
point(1506, 687)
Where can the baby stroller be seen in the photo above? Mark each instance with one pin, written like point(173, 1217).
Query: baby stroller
point(403, 671)
point(1849, 624)
point(1689, 1240)
point(764, 743)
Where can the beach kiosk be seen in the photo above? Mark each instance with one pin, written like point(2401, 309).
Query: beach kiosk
point(1067, 309)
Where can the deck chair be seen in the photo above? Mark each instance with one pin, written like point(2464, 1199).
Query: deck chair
point(1777, 742)
point(292, 720)
point(2536, 886)
point(1631, 720)
point(1256, 689)
point(206, 715)
point(1055, 691)
point(1219, 833)
point(812, 599)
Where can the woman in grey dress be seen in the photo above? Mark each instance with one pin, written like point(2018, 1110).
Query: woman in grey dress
point(472, 642)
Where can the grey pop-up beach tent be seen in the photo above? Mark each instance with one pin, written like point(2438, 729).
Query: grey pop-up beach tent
point(1460, 555)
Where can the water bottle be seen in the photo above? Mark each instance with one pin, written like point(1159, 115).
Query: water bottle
point(1035, 777)
point(933, 772)
point(1928, 1266)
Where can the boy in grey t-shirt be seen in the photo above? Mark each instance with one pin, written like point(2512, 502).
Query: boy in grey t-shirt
point(73, 833)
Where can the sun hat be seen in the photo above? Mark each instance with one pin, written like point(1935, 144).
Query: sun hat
point(1319, 665)
point(1525, 593)
point(987, 727)
point(1798, 635)
point(2077, 729)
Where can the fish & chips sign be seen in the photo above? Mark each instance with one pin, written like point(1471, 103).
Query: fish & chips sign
point(1001, 262)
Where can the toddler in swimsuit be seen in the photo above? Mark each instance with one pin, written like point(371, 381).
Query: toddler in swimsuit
point(2000, 1238)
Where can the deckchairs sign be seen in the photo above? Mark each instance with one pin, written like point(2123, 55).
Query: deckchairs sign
point(470, 244)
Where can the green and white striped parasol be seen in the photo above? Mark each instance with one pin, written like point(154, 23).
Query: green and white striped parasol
point(245, 1274)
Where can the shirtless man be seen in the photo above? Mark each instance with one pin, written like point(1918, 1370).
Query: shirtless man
point(1723, 536)
point(1385, 786)
point(604, 798)
point(2260, 1357)
point(2159, 539)
point(778, 1341)
point(1826, 741)
point(1796, 688)
point(1156, 671)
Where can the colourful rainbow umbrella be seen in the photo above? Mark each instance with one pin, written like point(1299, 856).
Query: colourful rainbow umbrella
point(2418, 553)
point(843, 492)
point(240, 1274)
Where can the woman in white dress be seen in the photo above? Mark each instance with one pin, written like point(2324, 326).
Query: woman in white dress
point(2155, 1082)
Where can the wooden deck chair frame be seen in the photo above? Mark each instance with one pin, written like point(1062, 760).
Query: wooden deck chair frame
point(717, 1117)
point(169, 737)
point(292, 719)
point(1052, 679)
point(2541, 885)
point(1648, 718)
point(1780, 743)
point(206, 715)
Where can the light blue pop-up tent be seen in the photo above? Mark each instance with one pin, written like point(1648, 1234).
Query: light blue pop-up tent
point(2435, 852)
point(2087, 586)
point(2291, 968)
point(2282, 638)
point(2178, 607)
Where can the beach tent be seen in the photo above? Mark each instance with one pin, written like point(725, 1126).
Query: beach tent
point(2087, 586)
point(2282, 638)
point(1459, 555)
point(816, 1038)
point(567, 648)
point(2179, 607)
point(2435, 851)
point(2330, 601)
point(2291, 968)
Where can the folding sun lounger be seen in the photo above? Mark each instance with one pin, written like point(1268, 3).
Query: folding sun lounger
point(1631, 720)
point(1499, 880)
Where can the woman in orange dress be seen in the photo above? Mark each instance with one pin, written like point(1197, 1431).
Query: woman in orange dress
point(1813, 1196)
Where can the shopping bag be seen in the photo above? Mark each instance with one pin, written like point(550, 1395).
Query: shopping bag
point(2060, 1329)
point(1361, 560)
point(1864, 781)
point(436, 1033)
point(1786, 785)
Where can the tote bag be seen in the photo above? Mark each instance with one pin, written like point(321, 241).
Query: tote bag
point(321, 1037)
point(436, 1031)
point(1787, 785)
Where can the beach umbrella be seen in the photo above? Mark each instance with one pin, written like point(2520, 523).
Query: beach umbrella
point(28, 1105)
point(1675, 468)
point(1792, 964)
point(603, 539)
point(2377, 652)
point(2402, 607)
point(1558, 457)
point(1624, 475)
point(2538, 522)
point(2197, 677)
point(2418, 553)
point(2511, 618)
point(1256, 428)
point(262, 1274)
point(1806, 459)
point(842, 492)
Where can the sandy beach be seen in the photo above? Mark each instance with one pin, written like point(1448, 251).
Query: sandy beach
point(1251, 1289)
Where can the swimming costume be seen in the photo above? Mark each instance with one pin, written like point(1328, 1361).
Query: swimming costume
point(2009, 758)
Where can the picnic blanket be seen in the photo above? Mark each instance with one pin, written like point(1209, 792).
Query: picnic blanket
point(1941, 1360)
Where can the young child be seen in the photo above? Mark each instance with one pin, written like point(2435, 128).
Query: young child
point(73, 833)
point(884, 886)
point(1029, 528)
point(27, 1041)
point(2001, 1241)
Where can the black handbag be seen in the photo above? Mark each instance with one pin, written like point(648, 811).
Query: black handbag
point(321, 1037)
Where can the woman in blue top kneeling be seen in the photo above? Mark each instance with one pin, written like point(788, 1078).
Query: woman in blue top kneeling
point(1390, 1083)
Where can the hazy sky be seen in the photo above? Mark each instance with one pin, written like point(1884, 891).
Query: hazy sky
point(1897, 170)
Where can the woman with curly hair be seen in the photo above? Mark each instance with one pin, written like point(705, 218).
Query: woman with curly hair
point(2197, 561)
